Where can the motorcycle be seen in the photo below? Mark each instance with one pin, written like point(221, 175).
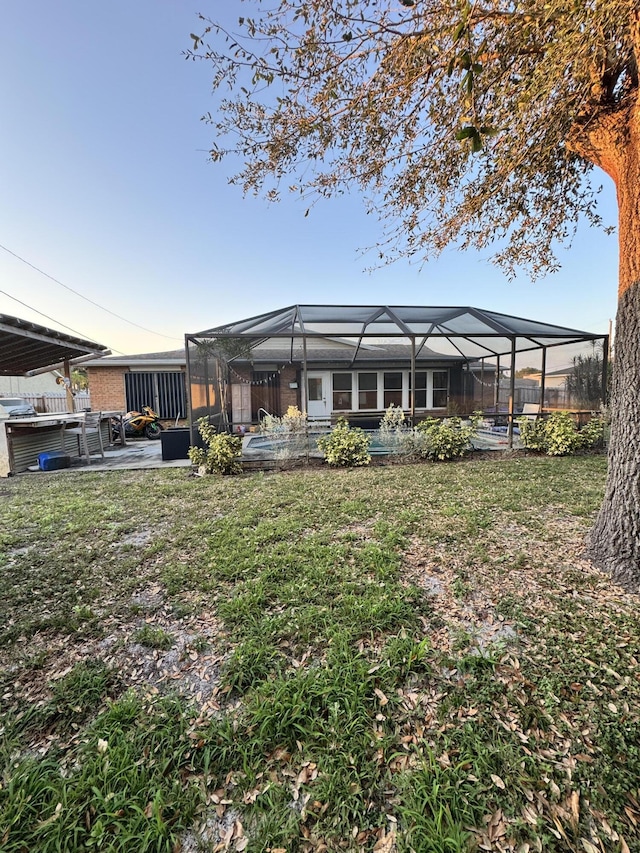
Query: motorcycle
point(137, 424)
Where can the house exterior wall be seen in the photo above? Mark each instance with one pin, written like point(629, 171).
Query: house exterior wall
point(289, 396)
point(106, 385)
point(249, 389)
point(11, 386)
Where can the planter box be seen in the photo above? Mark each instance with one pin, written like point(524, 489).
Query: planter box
point(175, 443)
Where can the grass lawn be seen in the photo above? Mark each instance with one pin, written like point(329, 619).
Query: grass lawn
point(403, 658)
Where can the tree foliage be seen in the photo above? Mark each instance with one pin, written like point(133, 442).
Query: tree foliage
point(465, 122)
point(584, 382)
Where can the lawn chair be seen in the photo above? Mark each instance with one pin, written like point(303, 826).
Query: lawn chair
point(89, 425)
point(530, 411)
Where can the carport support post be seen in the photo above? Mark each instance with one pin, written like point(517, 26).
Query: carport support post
point(305, 394)
point(305, 387)
point(512, 392)
point(5, 464)
point(67, 386)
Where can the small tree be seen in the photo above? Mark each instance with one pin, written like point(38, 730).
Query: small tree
point(584, 382)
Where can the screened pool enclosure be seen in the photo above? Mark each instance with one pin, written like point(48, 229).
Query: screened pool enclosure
point(357, 360)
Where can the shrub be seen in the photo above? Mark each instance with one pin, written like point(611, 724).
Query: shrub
point(444, 439)
point(293, 421)
point(562, 434)
point(345, 447)
point(394, 431)
point(223, 452)
point(557, 435)
point(290, 431)
point(592, 433)
point(533, 434)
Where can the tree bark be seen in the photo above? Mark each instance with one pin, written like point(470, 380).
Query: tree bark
point(614, 543)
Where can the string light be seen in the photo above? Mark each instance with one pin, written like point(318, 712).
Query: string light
point(242, 380)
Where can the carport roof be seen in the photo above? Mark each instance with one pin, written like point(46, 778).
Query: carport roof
point(27, 347)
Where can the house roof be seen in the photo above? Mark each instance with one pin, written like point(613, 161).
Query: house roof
point(27, 348)
point(327, 351)
point(465, 332)
point(561, 371)
point(171, 358)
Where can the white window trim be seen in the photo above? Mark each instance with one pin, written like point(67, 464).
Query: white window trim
point(355, 388)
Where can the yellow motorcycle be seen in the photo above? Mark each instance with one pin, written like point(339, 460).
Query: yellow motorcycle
point(138, 424)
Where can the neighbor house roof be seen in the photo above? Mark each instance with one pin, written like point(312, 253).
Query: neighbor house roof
point(464, 331)
point(170, 358)
point(27, 347)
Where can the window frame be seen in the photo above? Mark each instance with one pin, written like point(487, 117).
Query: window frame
point(428, 388)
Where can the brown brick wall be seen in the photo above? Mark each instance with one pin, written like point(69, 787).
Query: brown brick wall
point(289, 396)
point(106, 386)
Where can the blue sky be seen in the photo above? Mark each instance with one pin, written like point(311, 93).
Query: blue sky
point(107, 187)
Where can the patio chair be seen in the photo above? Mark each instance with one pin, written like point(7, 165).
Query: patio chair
point(530, 411)
point(89, 425)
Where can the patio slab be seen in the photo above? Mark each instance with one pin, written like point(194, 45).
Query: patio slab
point(139, 454)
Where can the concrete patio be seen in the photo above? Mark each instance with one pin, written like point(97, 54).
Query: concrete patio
point(138, 454)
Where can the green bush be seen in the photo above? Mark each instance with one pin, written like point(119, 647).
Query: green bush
point(345, 447)
point(556, 435)
point(562, 434)
point(223, 452)
point(533, 434)
point(444, 439)
point(592, 433)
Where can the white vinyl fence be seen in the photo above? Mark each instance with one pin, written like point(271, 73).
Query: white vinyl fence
point(56, 402)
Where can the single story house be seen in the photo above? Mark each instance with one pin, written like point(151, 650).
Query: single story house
point(356, 361)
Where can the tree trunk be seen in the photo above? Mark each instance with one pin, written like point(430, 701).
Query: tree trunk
point(614, 543)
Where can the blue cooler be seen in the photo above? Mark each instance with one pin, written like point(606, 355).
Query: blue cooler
point(53, 460)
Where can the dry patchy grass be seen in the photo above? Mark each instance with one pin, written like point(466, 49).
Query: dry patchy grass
point(411, 658)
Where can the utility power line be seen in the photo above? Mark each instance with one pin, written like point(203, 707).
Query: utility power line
point(86, 298)
point(53, 320)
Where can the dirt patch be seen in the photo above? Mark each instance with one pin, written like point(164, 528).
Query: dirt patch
point(473, 612)
point(222, 829)
point(190, 667)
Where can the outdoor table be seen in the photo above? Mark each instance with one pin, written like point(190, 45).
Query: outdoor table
point(27, 437)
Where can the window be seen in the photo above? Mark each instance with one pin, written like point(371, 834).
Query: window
point(421, 389)
point(315, 388)
point(440, 389)
point(367, 390)
point(392, 389)
point(432, 389)
point(163, 390)
point(342, 391)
